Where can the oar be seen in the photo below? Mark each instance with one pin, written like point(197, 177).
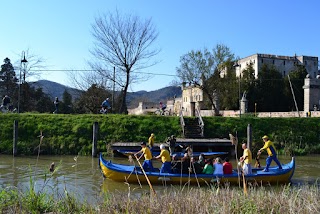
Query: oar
point(234, 141)
point(245, 191)
point(150, 185)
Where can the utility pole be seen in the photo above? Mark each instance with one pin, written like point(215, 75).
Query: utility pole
point(294, 97)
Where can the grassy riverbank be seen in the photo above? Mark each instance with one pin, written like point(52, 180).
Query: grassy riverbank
point(72, 134)
point(285, 199)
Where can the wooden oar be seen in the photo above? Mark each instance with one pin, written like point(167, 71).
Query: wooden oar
point(150, 185)
point(234, 141)
point(245, 191)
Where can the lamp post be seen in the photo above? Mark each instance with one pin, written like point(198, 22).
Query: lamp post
point(23, 61)
point(236, 66)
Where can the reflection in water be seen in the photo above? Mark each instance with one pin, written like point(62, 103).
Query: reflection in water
point(81, 176)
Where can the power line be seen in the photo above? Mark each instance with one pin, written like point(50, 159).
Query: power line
point(140, 72)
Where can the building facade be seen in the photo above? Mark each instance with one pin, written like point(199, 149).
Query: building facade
point(192, 97)
point(284, 64)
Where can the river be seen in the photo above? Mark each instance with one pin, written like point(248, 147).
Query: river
point(80, 176)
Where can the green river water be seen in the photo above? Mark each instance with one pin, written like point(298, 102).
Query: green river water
point(81, 176)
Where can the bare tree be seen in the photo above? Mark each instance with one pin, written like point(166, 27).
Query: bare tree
point(123, 42)
point(34, 65)
point(84, 79)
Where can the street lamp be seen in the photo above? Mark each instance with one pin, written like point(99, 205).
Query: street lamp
point(236, 65)
point(23, 61)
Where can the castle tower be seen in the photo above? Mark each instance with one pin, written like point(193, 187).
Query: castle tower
point(311, 94)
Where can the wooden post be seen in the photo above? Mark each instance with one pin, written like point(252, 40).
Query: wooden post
point(95, 139)
point(15, 138)
point(249, 137)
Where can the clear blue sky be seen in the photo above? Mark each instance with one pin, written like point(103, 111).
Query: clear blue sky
point(59, 31)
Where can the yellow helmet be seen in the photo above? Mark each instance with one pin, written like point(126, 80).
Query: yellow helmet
point(265, 137)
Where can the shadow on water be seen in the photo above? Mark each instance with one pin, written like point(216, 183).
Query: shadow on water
point(81, 176)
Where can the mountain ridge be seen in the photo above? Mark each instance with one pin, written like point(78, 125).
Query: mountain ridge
point(54, 89)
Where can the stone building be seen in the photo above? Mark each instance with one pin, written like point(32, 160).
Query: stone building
point(192, 97)
point(284, 64)
point(311, 94)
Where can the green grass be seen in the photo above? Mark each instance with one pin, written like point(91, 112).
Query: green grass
point(72, 134)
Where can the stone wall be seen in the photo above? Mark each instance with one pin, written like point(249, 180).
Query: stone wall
point(150, 107)
point(235, 113)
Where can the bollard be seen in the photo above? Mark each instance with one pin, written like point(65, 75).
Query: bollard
point(249, 136)
point(95, 139)
point(15, 137)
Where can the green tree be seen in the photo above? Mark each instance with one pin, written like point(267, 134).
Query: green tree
point(90, 101)
point(225, 85)
point(66, 104)
point(270, 90)
point(34, 100)
point(43, 103)
point(8, 80)
point(297, 81)
point(249, 85)
point(123, 42)
point(206, 69)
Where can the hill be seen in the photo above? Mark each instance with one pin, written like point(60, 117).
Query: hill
point(54, 89)
point(162, 94)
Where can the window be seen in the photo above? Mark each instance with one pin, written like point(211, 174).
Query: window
point(305, 62)
point(284, 62)
point(261, 60)
point(284, 73)
point(272, 61)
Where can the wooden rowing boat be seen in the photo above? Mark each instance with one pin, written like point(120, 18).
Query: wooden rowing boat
point(131, 174)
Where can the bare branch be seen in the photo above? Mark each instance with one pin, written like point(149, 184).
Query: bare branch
point(34, 66)
point(123, 42)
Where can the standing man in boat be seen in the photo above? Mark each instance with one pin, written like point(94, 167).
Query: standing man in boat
point(246, 159)
point(145, 151)
point(272, 153)
point(172, 144)
point(165, 159)
point(151, 142)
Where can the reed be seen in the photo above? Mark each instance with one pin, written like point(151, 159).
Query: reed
point(285, 199)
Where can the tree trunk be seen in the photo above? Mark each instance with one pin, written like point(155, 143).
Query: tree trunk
point(123, 108)
point(216, 112)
